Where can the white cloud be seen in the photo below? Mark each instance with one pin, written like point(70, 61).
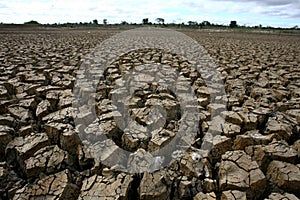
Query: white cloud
point(218, 11)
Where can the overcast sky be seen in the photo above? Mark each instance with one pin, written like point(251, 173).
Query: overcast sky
point(277, 13)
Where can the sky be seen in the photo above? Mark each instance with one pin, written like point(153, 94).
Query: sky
point(276, 13)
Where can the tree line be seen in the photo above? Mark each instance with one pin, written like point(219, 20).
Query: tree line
point(158, 21)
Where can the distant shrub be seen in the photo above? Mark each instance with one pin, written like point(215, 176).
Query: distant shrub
point(32, 22)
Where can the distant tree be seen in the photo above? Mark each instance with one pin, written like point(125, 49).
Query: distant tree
point(233, 24)
point(146, 21)
point(205, 23)
point(95, 21)
point(105, 21)
point(191, 23)
point(32, 22)
point(160, 20)
point(124, 22)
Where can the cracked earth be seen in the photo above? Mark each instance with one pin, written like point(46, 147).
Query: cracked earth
point(254, 154)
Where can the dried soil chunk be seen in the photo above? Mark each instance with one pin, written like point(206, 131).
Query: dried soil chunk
point(49, 159)
point(232, 117)
point(55, 129)
point(238, 172)
point(21, 148)
point(56, 186)
point(282, 129)
point(278, 196)
point(20, 113)
point(285, 175)
point(7, 120)
point(233, 194)
point(281, 151)
point(64, 116)
point(42, 109)
point(5, 138)
point(153, 187)
point(106, 187)
point(208, 196)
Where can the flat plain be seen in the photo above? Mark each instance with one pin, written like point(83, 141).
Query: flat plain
point(255, 154)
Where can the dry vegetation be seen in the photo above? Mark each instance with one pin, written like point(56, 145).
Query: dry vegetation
point(256, 156)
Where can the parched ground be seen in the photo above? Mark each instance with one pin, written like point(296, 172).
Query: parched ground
point(255, 154)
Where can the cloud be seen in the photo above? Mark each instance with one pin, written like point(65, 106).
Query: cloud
point(283, 8)
point(265, 2)
point(250, 12)
point(2, 5)
point(277, 2)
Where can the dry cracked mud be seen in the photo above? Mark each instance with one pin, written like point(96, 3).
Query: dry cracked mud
point(254, 154)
